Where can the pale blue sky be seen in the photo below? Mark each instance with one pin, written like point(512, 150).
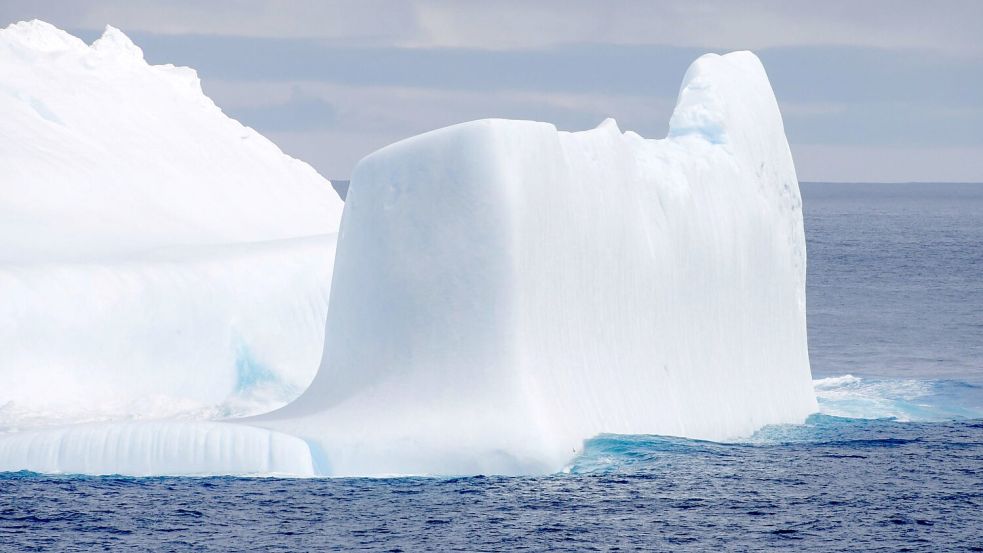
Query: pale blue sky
point(870, 91)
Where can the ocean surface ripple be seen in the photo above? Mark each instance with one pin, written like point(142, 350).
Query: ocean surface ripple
point(832, 485)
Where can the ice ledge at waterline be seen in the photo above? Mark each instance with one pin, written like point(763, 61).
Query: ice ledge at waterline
point(150, 448)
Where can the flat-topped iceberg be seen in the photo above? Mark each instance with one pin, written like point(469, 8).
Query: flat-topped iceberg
point(503, 291)
point(156, 256)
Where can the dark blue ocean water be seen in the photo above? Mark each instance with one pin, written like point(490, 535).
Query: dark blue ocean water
point(895, 279)
point(895, 463)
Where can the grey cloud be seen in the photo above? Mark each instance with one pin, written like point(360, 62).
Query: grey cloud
point(897, 124)
point(404, 111)
point(301, 112)
point(866, 163)
point(871, 75)
point(950, 26)
point(887, 78)
point(361, 21)
point(576, 68)
point(840, 74)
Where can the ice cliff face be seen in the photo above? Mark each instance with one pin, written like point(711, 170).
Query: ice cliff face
point(156, 256)
point(503, 291)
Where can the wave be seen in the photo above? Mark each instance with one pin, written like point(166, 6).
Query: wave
point(856, 415)
point(825, 435)
point(907, 400)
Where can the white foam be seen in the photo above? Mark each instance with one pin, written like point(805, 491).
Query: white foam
point(901, 399)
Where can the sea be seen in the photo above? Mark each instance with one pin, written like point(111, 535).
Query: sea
point(892, 462)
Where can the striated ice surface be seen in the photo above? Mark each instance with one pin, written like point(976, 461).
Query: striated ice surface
point(157, 448)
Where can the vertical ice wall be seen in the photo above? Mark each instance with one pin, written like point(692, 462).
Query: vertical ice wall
point(503, 291)
point(156, 256)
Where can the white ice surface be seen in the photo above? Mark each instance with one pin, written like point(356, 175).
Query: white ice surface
point(103, 154)
point(208, 330)
point(156, 257)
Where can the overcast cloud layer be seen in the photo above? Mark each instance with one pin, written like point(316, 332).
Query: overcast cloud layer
point(870, 91)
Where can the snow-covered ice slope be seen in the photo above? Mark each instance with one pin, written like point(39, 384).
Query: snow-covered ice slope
point(156, 256)
point(104, 154)
point(503, 291)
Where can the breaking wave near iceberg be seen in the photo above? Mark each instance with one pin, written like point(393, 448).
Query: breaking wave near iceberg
point(899, 399)
point(855, 415)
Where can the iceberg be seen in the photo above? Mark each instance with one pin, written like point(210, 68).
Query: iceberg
point(501, 291)
point(156, 257)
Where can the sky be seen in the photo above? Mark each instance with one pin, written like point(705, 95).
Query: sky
point(870, 91)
